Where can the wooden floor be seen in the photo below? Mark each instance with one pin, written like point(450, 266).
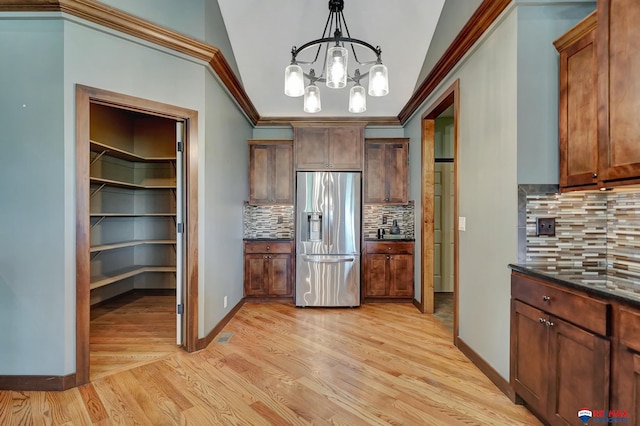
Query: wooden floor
point(131, 330)
point(375, 365)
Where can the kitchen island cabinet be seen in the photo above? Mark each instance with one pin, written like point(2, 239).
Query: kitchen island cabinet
point(328, 147)
point(386, 171)
point(387, 271)
point(268, 268)
point(575, 342)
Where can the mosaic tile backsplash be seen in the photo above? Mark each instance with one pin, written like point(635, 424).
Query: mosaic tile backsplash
point(594, 232)
point(268, 222)
point(263, 221)
point(372, 219)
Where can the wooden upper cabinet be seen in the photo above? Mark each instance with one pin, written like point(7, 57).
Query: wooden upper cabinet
point(335, 147)
point(618, 41)
point(578, 124)
point(270, 172)
point(386, 171)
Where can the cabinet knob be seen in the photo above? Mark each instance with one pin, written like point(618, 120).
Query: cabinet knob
point(389, 248)
point(268, 247)
point(542, 320)
point(388, 257)
point(549, 324)
point(269, 257)
point(264, 257)
point(386, 199)
point(546, 299)
point(594, 175)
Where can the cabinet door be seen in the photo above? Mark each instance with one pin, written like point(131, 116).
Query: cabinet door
point(619, 89)
point(282, 174)
point(255, 274)
point(259, 174)
point(397, 173)
point(376, 275)
point(374, 173)
point(345, 148)
point(312, 148)
point(626, 393)
point(279, 275)
point(578, 114)
point(578, 372)
point(401, 275)
point(529, 355)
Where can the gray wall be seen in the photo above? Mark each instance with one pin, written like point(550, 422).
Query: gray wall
point(47, 58)
point(35, 278)
point(498, 129)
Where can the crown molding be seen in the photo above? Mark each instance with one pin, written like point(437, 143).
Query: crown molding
point(480, 21)
point(288, 121)
point(589, 23)
point(116, 19)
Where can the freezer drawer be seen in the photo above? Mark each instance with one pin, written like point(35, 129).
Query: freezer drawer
point(327, 280)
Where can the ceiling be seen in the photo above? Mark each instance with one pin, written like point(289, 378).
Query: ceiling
point(262, 34)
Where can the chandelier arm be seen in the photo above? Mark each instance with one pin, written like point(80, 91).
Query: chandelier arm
point(375, 50)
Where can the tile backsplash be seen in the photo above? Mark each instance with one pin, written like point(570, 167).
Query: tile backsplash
point(268, 222)
point(594, 230)
point(263, 221)
point(372, 219)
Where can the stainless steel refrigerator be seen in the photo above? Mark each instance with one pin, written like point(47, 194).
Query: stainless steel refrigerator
point(328, 211)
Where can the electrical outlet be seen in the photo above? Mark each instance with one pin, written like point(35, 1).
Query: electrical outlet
point(545, 226)
point(384, 220)
point(280, 220)
point(225, 302)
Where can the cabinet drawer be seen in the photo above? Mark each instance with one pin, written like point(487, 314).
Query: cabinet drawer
point(629, 328)
point(267, 247)
point(579, 309)
point(389, 247)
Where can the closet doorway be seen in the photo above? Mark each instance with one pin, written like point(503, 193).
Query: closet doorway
point(136, 230)
point(439, 263)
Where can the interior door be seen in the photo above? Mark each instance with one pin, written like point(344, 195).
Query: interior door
point(180, 232)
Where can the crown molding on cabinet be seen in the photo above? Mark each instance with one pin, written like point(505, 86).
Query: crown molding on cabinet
point(109, 17)
point(589, 23)
point(479, 22)
point(369, 121)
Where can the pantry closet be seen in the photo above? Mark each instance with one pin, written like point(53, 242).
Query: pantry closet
point(136, 214)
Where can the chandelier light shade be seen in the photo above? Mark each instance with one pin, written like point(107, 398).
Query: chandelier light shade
point(357, 99)
point(337, 59)
point(294, 81)
point(312, 99)
point(378, 80)
point(332, 55)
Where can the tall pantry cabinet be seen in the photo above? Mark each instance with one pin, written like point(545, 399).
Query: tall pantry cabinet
point(133, 199)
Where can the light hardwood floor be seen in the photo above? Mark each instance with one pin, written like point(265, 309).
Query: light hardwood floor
point(377, 364)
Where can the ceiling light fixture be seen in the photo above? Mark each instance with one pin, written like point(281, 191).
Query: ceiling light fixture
point(335, 66)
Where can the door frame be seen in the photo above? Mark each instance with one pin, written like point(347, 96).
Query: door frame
point(84, 97)
point(451, 96)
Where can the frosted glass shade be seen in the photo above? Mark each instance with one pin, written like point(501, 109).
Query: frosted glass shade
point(293, 81)
point(337, 67)
point(312, 99)
point(357, 99)
point(378, 80)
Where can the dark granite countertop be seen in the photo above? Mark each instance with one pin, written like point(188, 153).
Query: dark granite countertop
point(269, 239)
point(597, 281)
point(391, 240)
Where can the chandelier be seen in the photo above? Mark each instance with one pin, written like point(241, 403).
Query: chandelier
point(335, 73)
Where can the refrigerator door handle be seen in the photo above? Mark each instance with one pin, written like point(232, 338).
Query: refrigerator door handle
point(328, 260)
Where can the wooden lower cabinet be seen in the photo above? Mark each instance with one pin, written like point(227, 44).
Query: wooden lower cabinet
point(625, 378)
point(557, 367)
point(387, 270)
point(268, 269)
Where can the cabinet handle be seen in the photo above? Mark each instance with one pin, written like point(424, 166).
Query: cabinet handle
point(546, 299)
point(594, 175)
point(549, 324)
point(388, 257)
point(542, 320)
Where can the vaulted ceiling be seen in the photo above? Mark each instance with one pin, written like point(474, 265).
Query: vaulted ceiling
point(412, 34)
